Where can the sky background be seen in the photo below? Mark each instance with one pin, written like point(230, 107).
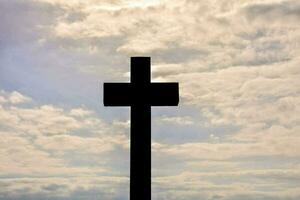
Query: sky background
point(235, 134)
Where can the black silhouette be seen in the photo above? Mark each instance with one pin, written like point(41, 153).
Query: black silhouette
point(140, 95)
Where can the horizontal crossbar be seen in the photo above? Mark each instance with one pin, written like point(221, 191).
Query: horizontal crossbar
point(152, 94)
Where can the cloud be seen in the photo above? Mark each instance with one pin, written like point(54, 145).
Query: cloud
point(64, 188)
point(80, 112)
point(276, 141)
point(99, 5)
point(181, 121)
point(235, 95)
point(287, 11)
point(237, 63)
point(46, 119)
point(61, 143)
point(192, 186)
point(223, 30)
point(195, 185)
point(13, 98)
point(16, 98)
point(29, 25)
point(36, 141)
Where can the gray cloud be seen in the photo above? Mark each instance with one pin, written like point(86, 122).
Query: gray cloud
point(274, 12)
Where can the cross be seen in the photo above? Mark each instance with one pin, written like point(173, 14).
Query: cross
point(140, 94)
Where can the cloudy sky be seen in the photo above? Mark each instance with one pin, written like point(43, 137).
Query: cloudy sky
point(235, 135)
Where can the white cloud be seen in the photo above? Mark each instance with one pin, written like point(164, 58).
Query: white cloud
point(228, 31)
point(46, 119)
point(61, 143)
point(35, 140)
point(245, 96)
point(183, 121)
point(80, 112)
point(16, 97)
point(248, 143)
point(13, 97)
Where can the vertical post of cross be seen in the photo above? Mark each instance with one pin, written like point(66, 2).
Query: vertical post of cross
point(140, 141)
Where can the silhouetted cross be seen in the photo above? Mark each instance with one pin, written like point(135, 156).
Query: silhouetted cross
point(140, 94)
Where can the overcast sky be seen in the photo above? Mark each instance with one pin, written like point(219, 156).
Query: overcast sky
point(235, 134)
